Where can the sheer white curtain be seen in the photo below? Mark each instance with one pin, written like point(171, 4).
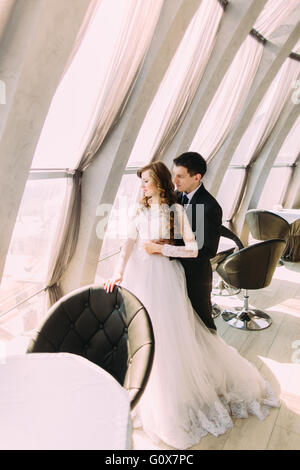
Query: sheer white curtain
point(96, 84)
point(267, 112)
point(6, 7)
point(290, 148)
point(179, 85)
point(235, 86)
point(261, 126)
point(282, 170)
point(88, 102)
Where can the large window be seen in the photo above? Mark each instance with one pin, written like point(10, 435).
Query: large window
point(26, 267)
point(282, 170)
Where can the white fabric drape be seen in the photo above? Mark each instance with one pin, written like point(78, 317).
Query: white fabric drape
point(290, 148)
point(267, 113)
point(228, 100)
point(235, 86)
point(273, 15)
point(262, 124)
point(96, 85)
point(108, 78)
point(179, 85)
point(280, 176)
point(6, 7)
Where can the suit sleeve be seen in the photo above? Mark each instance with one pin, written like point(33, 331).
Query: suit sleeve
point(212, 229)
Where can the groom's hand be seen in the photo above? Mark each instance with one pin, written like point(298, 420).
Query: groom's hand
point(153, 248)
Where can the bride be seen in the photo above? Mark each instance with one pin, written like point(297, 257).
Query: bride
point(198, 382)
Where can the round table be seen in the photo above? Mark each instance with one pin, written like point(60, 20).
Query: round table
point(61, 401)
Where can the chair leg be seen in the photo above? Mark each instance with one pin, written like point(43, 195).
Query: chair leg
point(245, 318)
point(223, 289)
point(216, 310)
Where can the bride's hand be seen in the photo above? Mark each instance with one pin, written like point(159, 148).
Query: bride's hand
point(109, 284)
point(153, 248)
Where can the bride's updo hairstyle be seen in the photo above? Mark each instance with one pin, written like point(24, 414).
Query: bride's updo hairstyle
point(162, 179)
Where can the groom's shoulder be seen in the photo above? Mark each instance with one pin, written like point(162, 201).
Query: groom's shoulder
point(205, 197)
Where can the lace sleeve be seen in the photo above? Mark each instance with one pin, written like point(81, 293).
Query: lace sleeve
point(190, 248)
point(127, 246)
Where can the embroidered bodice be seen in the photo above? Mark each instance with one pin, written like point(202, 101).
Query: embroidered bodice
point(154, 224)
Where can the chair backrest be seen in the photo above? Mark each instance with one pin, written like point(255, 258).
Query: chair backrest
point(227, 233)
point(265, 225)
point(112, 330)
point(252, 267)
point(221, 255)
point(292, 249)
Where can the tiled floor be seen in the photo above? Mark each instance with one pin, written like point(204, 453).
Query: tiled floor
point(276, 352)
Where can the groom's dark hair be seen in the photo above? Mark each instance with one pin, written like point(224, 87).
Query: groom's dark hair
point(193, 162)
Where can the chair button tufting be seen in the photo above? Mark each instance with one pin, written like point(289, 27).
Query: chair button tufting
point(115, 348)
point(101, 326)
point(116, 306)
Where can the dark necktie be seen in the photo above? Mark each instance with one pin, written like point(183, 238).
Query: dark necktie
point(185, 200)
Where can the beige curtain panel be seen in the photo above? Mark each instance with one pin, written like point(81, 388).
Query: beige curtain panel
point(90, 14)
point(265, 119)
point(6, 7)
point(179, 85)
point(235, 86)
point(133, 42)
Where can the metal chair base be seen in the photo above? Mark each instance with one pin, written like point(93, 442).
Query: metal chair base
point(224, 290)
point(246, 319)
point(216, 311)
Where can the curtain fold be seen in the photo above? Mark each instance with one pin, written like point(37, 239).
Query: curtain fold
point(273, 15)
point(90, 14)
point(6, 7)
point(235, 86)
point(228, 100)
point(264, 120)
point(133, 42)
point(179, 85)
point(66, 239)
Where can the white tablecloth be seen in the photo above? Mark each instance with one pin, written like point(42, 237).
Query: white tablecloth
point(288, 214)
point(61, 401)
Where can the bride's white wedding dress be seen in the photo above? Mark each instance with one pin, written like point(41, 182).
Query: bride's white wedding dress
point(198, 382)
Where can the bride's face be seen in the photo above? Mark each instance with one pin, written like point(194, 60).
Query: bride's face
point(148, 187)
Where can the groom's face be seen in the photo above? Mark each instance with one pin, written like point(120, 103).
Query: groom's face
point(183, 181)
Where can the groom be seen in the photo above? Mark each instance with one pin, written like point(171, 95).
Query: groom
point(188, 171)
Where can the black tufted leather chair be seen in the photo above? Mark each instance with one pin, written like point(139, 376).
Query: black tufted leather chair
point(250, 268)
point(112, 330)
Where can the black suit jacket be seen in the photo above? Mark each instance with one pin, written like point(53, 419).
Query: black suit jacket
point(205, 217)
